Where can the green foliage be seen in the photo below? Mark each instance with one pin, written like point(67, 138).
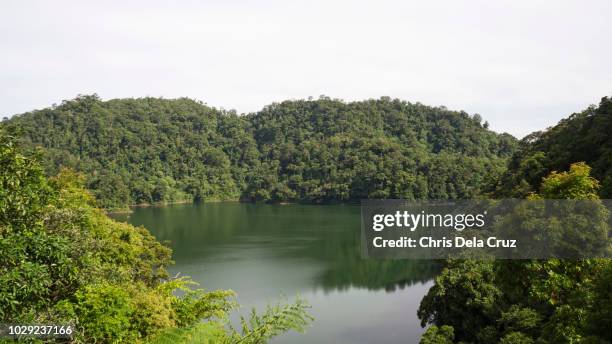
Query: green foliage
point(600, 317)
point(154, 150)
point(516, 338)
point(144, 150)
point(575, 184)
point(531, 301)
point(256, 330)
point(130, 312)
point(104, 313)
point(519, 319)
point(197, 304)
point(34, 263)
point(575, 227)
point(463, 287)
point(62, 260)
point(275, 320)
point(584, 136)
point(438, 335)
point(23, 188)
point(330, 151)
point(210, 332)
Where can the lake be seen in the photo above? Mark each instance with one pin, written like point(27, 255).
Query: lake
point(266, 252)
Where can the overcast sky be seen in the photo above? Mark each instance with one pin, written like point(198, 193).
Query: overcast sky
point(522, 65)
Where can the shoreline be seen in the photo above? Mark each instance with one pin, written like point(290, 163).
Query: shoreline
point(130, 208)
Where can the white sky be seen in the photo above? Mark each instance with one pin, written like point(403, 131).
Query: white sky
point(522, 65)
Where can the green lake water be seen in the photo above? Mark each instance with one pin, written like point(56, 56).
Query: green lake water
point(264, 252)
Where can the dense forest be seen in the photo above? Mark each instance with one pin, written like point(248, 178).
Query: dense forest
point(535, 301)
point(151, 150)
point(63, 261)
point(584, 136)
point(525, 301)
point(73, 262)
point(145, 151)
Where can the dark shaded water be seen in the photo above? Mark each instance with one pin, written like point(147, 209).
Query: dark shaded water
point(266, 251)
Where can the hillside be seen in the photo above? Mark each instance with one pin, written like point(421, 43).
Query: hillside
point(553, 300)
point(152, 150)
point(584, 136)
point(144, 150)
point(327, 150)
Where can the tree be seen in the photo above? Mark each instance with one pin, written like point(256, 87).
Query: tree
point(583, 136)
point(149, 150)
point(438, 335)
point(63, 261)
point(529, 301)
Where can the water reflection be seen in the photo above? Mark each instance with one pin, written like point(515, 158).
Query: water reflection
point(262, 251)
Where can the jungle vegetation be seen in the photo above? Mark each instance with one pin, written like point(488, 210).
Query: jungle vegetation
point(535, 301)
point(151, 150)
point(63, 261)
point(525, 301)
point(584, 136)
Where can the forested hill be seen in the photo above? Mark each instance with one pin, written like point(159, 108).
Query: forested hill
point(144, 150)
point(330, 150)
point(152, 150)
point(584, 136)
